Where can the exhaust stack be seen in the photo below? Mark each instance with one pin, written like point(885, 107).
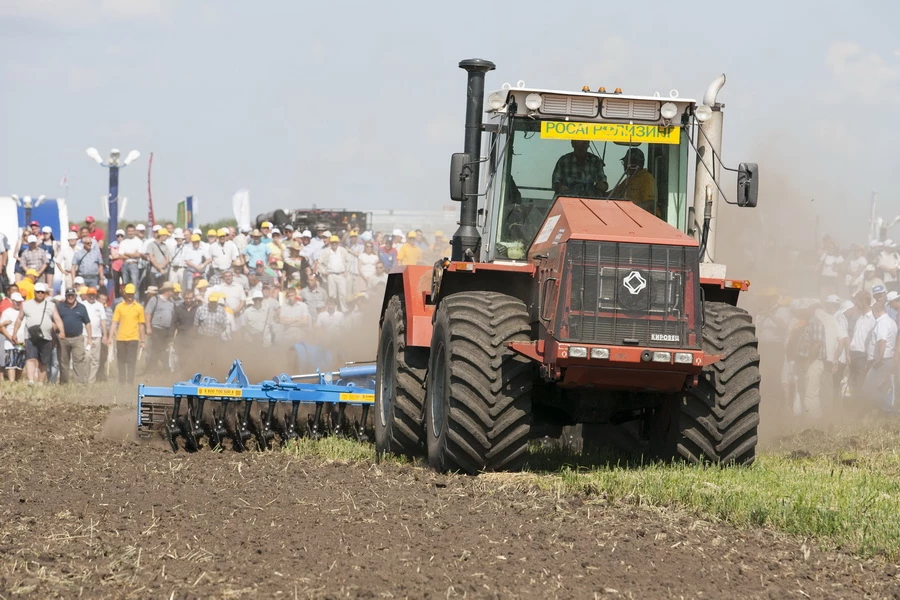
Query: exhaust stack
point(709, 152)
point(466, 241)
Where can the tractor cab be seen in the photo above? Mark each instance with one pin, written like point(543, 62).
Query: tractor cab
point(596, 146)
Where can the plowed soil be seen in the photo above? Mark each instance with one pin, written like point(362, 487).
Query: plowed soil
point(84, 516)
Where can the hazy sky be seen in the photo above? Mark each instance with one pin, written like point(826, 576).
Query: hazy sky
point(359, 104)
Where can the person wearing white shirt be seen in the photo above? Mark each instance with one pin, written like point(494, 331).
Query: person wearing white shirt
point(880, 353)
point(13, 341)
point(333, 265)
point(176, 267)
point(64, 256)
point(99, 327)
point(131, 249)
point(830, 262)
point(330, 318)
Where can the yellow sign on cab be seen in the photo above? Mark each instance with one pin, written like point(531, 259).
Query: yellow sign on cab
point(610, 132)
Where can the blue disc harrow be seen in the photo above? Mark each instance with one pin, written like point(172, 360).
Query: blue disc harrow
point(254, 415)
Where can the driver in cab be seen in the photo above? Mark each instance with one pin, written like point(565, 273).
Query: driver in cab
point(579, 172)
point(638, 185)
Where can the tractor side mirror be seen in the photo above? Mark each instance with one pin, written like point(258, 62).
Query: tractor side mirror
point(747, 184)
point(459, 172)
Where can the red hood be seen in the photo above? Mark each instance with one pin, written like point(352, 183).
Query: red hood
point(604, 220)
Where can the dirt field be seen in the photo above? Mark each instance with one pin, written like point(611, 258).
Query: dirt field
point(82, 516)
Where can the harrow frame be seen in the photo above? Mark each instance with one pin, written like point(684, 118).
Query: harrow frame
point(352, 385)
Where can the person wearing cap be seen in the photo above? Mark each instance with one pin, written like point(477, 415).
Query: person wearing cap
point(861, 322)
point(367, 260)
point(222, 252)
point(158, 257)
point(35, 257)
point(51, 247)
point(880, 347)
point(264, 275)
point(13, 339)
point(99, 332)
point(160, 326)
point(196, 260)
point(201, 291)
point(810, 361)
point(78, 337)
point(332, 268)
point(5, 302)
point(184, 324)
point(39, 316)
point(94, 231)
point(388, 254)
point(211, 320)
point(65, 255)
point(397, 237)
point(176, 251)
point(128, 332)
point(265, 229)
point(27, 283)
point(256, 250)
point(277, 249)
point(637, 183)
point(409, 253)
point(87, 263)
point(314, 297)
point(130, 251)
point(258, 321)
point(441, 247)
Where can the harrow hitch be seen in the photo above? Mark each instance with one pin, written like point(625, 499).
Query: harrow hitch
point(204, 408)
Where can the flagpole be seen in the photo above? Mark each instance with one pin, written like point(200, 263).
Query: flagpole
point(150, 218)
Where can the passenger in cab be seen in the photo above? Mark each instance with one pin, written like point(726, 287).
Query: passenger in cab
point(579, 172)
point(638, 184)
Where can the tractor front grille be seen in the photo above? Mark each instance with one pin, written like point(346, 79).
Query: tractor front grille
point(629, 294)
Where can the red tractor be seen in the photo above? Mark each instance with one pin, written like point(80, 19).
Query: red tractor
point(583, 290)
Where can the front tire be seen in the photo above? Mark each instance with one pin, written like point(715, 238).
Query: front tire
point(478, 405)
point(716, 421)
point(399, 387)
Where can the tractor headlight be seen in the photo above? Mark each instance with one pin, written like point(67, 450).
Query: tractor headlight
point(577, 352)
point(668, 110)
point(496, 101)
point(600, 353)
point(533, 101)
point(684, 358)
point(662, 357)
point(703, 113)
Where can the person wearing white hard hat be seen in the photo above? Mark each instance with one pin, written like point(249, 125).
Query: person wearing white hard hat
point(13, 339)
point(177, 248)
point(258, 321)
point(39, 317)
point(64, 257)
point(34, 257)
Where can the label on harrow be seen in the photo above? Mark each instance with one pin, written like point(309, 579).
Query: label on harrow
point(365, 398)
point(229, 392)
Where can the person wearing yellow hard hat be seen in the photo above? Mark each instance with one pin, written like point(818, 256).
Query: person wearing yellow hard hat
point(409, 253)
point(441, 246)
point(222, 254)
point(159, 256)
point(211, 320)
point(265, 228)
point(333, 267)
point(26, 284)
point(196, 260)
point(128, 333)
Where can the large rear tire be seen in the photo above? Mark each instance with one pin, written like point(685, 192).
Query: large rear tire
point(716, 420)
point(478, 405)
point(399, 387)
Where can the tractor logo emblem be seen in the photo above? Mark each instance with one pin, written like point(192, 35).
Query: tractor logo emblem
point(634, 283)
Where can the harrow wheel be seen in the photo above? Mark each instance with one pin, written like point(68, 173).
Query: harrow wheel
point(716, 420)
point(399, 386)
point(478, 409)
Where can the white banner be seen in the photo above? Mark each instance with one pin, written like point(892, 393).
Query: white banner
point(240, 203)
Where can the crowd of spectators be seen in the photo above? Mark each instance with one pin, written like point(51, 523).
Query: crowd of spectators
point(173, 289)
point(835, 353)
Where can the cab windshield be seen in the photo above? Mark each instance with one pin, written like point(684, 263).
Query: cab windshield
point(541, 160)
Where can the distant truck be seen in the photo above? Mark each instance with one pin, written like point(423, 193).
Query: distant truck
point(317, 218)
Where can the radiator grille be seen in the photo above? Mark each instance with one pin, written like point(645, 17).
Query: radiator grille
point(629, 294)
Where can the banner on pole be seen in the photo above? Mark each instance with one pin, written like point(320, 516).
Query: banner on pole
point(181, 215)
point(189, 212)
point(240, 204)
